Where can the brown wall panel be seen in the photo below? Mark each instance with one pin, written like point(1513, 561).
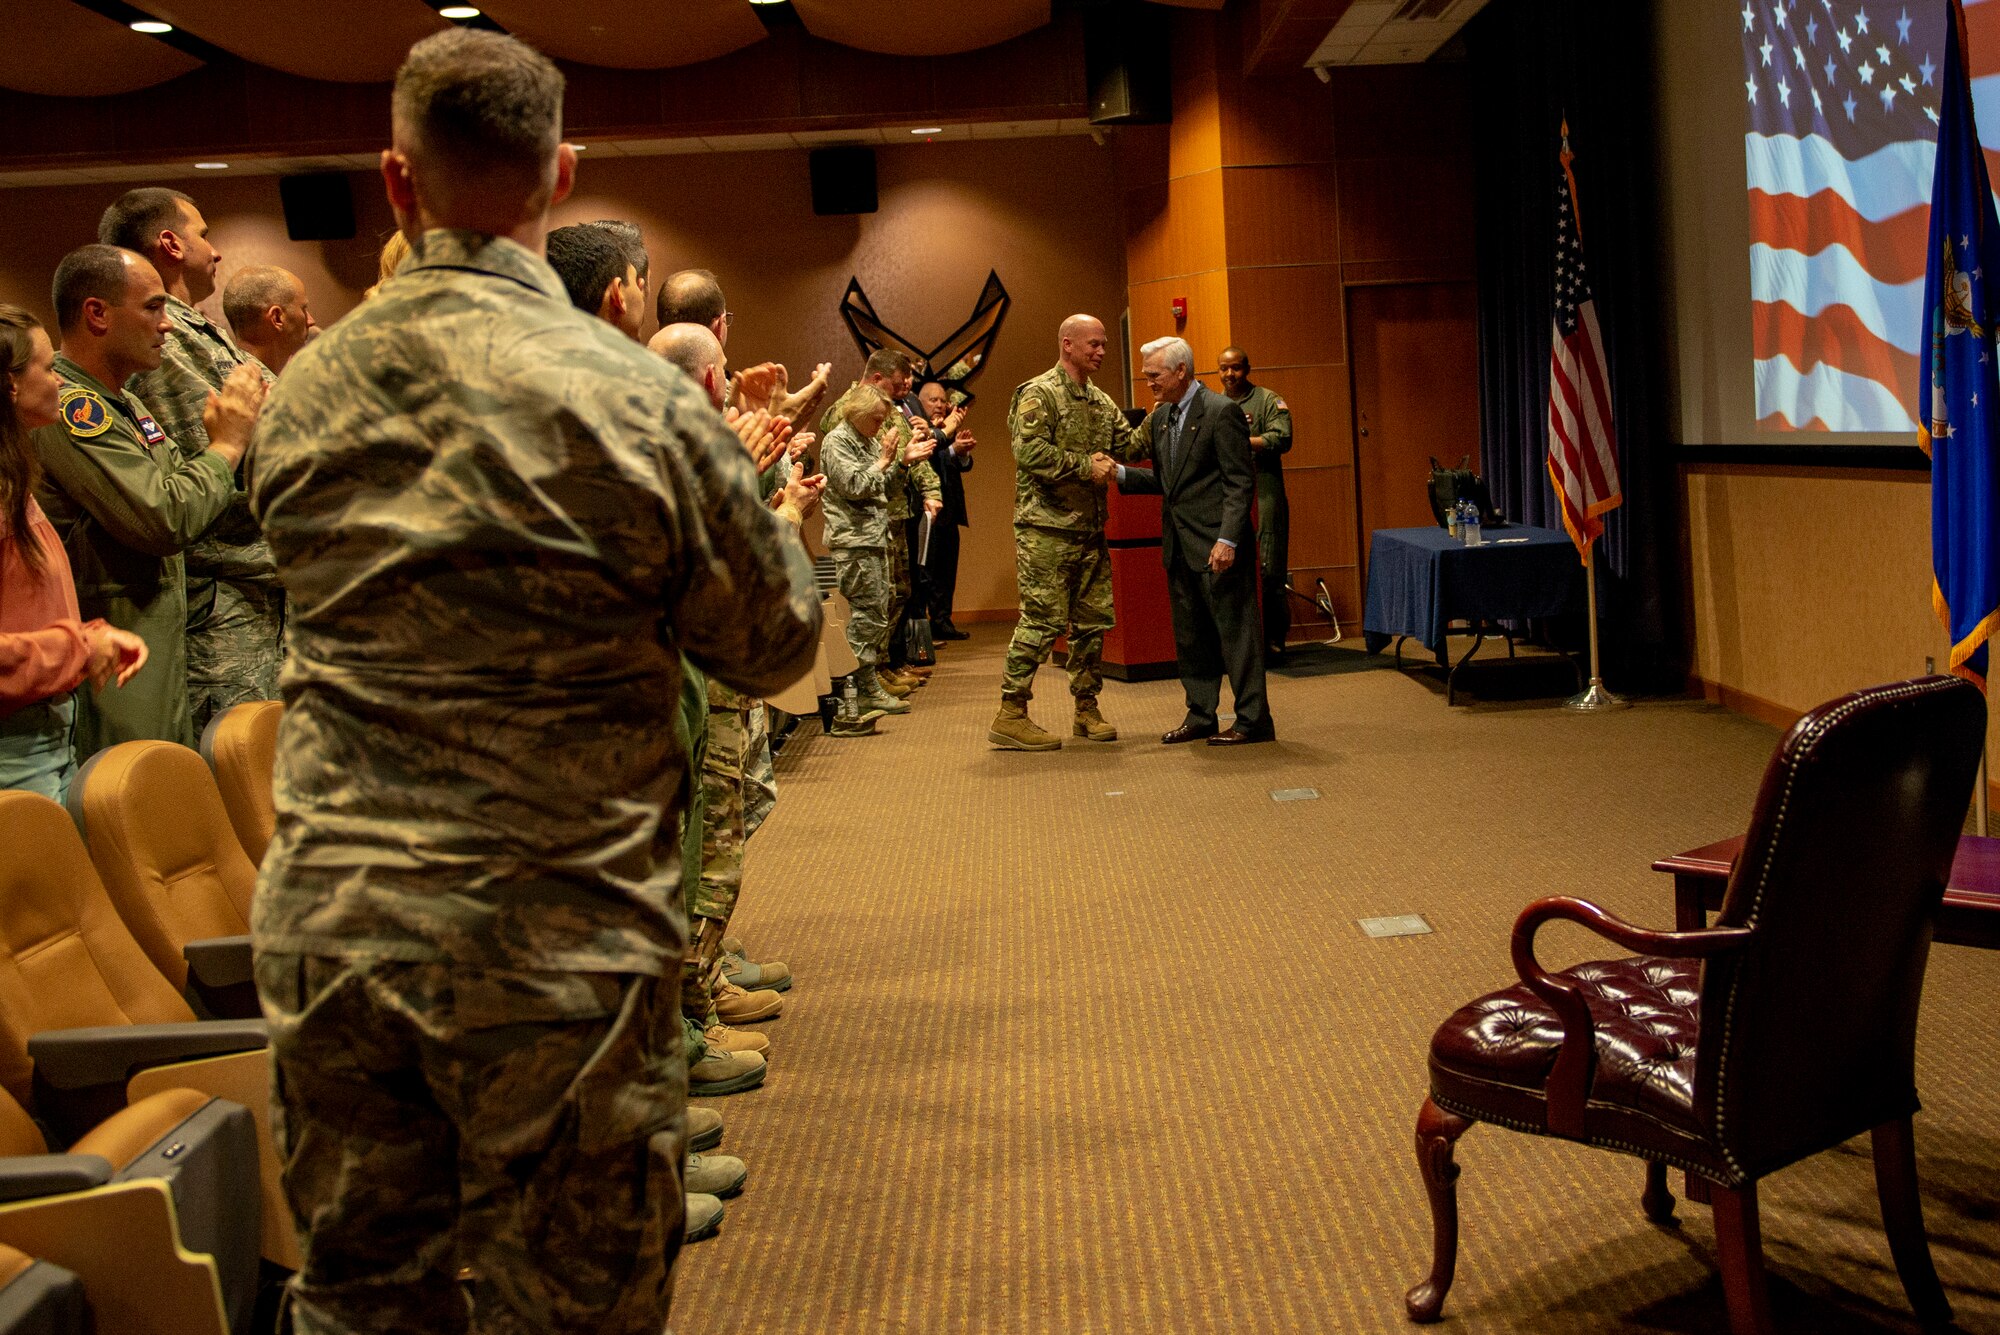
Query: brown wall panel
point(1411, 110)
point(1176, 228)
point(1322, 503)
point(1207, 327)
point(1292, 315)
point(1285, 116)
point(1430, 269)
point(1195, 137)
point(1395, 208)
point(1281, 215)
point(1322, 418)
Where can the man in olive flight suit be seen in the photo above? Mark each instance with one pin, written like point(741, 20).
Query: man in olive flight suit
point(1058, 421)
point(1270, 440)
point(236, 609)
point(126, 500)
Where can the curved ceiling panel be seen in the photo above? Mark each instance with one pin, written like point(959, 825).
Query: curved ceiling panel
point(61, 49)
point(631, 34)
point(353, 41)
point(921, 27)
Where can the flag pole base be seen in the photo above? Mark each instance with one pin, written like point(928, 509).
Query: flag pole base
point(1594, 698)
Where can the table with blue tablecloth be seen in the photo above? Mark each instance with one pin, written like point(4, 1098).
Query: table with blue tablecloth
point(1421, 580)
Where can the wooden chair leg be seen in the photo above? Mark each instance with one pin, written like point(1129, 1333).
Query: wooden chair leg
point(1658, 1201)
point(1437, 1133)
point(1903, 1219)
point(1740, 1245)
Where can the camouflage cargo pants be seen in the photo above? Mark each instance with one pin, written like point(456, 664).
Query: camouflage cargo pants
point(899, 570)
point(1065, 583)
point(760, 784)
point(235, 653)
point(525, 1126)
point(722, 829)
point(864, 582)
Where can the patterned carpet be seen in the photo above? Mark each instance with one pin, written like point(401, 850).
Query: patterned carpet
point(1090, 1041)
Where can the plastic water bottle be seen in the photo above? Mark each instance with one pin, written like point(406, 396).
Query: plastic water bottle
point(1471, 525)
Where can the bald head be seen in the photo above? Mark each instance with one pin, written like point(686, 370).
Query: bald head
point(699, 353)
point(267, 311)
point(692, 296)
point(1083, 345)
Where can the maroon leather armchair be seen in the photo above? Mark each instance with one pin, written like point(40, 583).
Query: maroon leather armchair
point(1786, 1028)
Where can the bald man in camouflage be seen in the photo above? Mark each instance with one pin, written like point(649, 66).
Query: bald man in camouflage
point(1059, 421)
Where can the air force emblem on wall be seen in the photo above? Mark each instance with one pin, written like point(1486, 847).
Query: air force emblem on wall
point(84, 413)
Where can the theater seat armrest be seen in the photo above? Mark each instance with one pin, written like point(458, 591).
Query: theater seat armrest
point(30, 1176)
point(222, 961)
point(78, 1058)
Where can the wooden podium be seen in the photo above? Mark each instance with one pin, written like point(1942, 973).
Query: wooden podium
point(1141, 646)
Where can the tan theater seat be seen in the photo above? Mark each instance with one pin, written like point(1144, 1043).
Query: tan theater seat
point(165, 850)
point(840, 659)
point(82, 1009)
point(40, 1298)
point(241, 746)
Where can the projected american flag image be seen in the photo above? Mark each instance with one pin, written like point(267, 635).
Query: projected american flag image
point(1843, 104)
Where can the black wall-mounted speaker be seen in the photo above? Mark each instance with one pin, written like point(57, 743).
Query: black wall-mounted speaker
point(843, 181)
point(318, 207)
point(1127, 63)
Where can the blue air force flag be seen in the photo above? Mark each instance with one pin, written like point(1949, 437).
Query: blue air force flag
point(1961, 390)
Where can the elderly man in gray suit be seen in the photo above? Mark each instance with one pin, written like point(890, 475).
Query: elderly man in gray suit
point(1203, 473)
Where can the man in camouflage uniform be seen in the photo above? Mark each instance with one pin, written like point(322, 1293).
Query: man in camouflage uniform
point(126, 501)
point(499, 523)
point(236, 609)
point(1270, 439)
point(1058, 421)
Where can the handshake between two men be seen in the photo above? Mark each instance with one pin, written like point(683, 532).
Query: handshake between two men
point(1104, 470)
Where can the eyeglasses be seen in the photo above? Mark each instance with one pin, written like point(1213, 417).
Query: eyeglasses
point(728, 319)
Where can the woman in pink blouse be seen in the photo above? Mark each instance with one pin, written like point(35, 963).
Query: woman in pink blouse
point(46, 651)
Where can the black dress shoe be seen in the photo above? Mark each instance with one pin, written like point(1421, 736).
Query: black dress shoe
point(947, 631)
point(1188, 732)
point(1240, 736)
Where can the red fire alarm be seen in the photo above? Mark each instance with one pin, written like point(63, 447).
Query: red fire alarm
point(1180, 309)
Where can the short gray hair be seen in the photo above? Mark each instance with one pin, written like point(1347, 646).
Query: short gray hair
point(255, 290)
point(1175, 352)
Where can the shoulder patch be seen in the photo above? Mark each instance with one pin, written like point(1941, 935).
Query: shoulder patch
point(85, 414)
point(1283, 407)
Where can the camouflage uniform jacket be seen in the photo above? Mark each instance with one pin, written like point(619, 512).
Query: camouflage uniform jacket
point(1057, 423)
point(500, 523)
point(900, 475)
point(197, 357)
point(856, 500)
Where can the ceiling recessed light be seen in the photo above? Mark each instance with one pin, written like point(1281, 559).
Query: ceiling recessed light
point(458, 12)
point(211, 166)
point(767, 2)
point(933, 129)
point(151, 27)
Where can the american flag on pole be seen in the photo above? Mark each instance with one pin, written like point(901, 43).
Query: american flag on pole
point(1583, 446)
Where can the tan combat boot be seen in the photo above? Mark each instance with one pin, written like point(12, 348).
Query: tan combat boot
point(893, 682)
point(1090, 724)
point(1013, 730)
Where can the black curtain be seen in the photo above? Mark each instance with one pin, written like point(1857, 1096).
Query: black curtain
point(1533, 63)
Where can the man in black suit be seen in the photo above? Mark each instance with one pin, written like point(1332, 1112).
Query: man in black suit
point(1202, 471)
point(951, 462)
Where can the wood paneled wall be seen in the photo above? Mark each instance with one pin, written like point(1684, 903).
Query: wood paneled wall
point(1266, 198)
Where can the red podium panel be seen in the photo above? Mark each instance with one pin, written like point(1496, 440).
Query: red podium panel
point(1141, 646)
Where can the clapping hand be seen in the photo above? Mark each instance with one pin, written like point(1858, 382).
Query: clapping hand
point(801, 442)
point(115, 655)
point(230, 414)
point(763, 435)
point(753, 389)
point(802, 491)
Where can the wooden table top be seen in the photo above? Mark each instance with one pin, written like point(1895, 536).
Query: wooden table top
point(1975, 872)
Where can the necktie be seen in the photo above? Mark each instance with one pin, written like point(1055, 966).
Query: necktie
point(1172, 440)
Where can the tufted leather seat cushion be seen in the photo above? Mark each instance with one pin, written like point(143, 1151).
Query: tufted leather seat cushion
point(1491, 1059)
